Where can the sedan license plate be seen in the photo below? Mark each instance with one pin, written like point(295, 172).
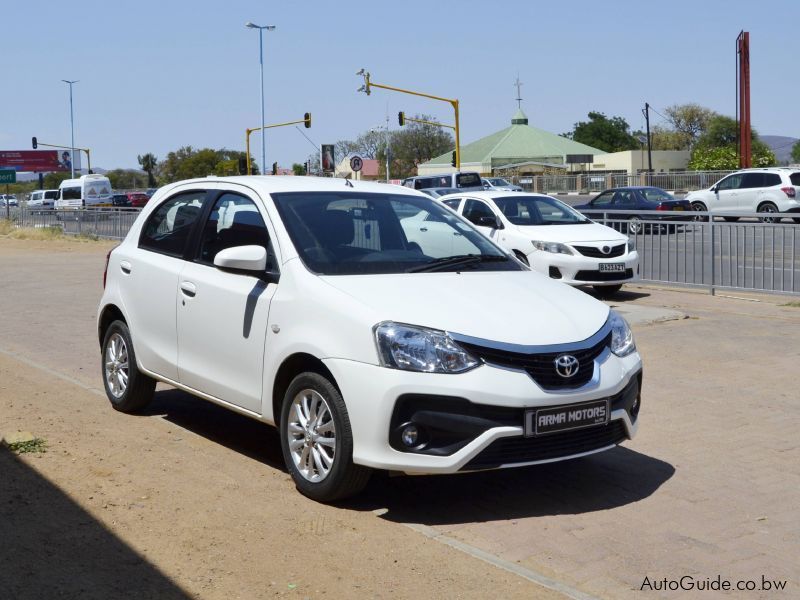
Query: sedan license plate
point(678, 208)
point(612, 267)
point(541, 421)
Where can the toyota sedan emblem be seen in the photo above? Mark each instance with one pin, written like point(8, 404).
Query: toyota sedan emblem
point(606, 249)
point(566, 365)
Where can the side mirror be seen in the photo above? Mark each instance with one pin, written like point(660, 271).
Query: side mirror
point(251, 260)
point(487, 221)
point(714, 189)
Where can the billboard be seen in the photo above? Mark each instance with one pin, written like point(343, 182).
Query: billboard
point(327, 158)
point(39, 161)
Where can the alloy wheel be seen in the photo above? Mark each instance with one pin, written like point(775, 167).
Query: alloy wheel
point(312, 435)
point(117, 370)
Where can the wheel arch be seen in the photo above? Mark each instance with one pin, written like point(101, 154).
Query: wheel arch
point(110, 313)
point(290, 368)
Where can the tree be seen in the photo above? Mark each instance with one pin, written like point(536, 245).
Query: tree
point(53, 180)
point(415, 144)
point(608, 134)
point(186, 163)
point(717, 147)
point(689, 120)
point(796, 152)
point(126, 179)
point(298, 169)
point(148, 163)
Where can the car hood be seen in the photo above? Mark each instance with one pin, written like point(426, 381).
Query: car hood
point(592, 232)
point(516, 307)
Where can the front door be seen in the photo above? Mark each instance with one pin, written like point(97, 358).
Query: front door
point(727, 196)
point(222, 316)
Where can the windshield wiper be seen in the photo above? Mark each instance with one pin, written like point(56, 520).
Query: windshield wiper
point(459, 260)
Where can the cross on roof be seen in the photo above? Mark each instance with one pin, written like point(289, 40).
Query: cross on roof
point(518, 85)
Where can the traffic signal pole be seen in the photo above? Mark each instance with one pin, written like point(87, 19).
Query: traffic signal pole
point(87, 150)
point(306, 120)
point(368, 84)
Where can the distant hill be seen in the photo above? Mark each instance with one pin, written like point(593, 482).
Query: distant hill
point(781, 145)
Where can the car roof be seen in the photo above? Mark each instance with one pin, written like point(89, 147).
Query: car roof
point(272, 184)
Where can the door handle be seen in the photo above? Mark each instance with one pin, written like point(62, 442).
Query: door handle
point(188, 289)
point(125, 267)
point(423, 229)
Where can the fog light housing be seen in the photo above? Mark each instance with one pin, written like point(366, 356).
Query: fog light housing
point(410, 436)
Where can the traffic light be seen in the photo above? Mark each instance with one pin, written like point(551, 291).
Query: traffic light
point(242, 165)
point(274, 168)
point(453, 161)
point(307, 119)
point(401, 118)
point(34, 143)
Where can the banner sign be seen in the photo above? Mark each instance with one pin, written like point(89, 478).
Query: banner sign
point(38, 161)
point(327, 158)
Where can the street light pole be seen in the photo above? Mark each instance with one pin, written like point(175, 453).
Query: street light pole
point(261, 29)
point(72, 129)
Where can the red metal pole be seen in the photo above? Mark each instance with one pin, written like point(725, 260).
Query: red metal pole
point(745, 149)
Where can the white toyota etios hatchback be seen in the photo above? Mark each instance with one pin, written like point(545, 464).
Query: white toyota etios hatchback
point(551, 237)
point(303, 303)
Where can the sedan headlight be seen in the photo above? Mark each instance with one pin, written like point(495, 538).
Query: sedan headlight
point(420, 349)
point(622, 342)
point(553, 247)
point(631, 246)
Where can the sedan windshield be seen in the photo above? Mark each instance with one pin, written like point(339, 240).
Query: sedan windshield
point(498, 181)
point(340, 233)
point(538, 210)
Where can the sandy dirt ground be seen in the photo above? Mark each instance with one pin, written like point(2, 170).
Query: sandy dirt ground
point(189, 500)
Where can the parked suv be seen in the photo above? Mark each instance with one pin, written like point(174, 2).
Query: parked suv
point(462, 181)
point(765, 191)
point(301, 302)
point(42, 199)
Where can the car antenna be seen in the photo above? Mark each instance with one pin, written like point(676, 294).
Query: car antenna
point(348, 182)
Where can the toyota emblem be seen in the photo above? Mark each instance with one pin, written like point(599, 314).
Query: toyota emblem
point(606, 249)
point(566, 365)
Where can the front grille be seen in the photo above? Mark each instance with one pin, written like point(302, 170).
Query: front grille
point(603, 275)
point(593, 252)
point(515, 450)
point(541, 367)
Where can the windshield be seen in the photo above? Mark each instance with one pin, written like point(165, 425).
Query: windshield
point(538, 210)
point(464, 180)
point(656, 195)
point(340, 233)
point(498, 181)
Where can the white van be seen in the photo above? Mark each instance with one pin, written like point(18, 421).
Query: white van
point(87, 191)
point(42, 199)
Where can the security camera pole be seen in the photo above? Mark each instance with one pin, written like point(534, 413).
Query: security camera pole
point(453, 102)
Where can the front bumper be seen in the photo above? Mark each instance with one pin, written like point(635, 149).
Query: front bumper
point(479, 415)
point(584, 270)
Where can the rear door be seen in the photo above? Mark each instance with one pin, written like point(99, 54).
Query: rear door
point(222, 317)
point(749, 191)
point(149, 280)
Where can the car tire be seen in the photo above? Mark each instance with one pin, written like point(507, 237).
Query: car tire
point(313, 409)
point(128, 389)
point(606, 291)
point(699, 207)
point(635, 225)
point(768, 207)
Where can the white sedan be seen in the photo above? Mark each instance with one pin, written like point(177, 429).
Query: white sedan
point(552, 238)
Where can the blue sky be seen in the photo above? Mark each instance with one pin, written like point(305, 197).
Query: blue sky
point(155, 76)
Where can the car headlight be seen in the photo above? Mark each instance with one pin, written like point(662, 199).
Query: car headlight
point(631, 246)
point(553, 247)
point(622, 342)
point(420, 349)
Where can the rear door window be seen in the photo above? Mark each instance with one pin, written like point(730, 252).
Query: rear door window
point(795, 178)
point(71, 193)
point(771, 179)
point(753, 180)
point(168, 228)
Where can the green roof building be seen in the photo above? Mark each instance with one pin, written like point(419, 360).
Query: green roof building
point(519, 148)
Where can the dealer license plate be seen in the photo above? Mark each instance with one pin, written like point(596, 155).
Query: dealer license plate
point(541, 421)
point(612, 267)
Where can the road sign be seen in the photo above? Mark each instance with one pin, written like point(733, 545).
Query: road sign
point(356, 163)
point(8, 176)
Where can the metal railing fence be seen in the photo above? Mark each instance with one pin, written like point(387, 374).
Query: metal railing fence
point(110, 223)
point(747, 254)
point(592, 183)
